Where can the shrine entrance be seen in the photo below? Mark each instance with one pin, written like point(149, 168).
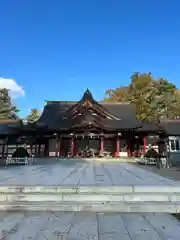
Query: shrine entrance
point(87, 146)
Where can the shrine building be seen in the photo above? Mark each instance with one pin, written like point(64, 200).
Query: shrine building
point(72, 128)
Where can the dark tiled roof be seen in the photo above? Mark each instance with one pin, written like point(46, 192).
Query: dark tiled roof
point(171, 127)
point(121, 110)
point(55, 112)
point(57, 115)
point(9, 127)
point(149, 127)
point(121, 124)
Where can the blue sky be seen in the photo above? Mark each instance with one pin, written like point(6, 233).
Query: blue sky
point(55, 49)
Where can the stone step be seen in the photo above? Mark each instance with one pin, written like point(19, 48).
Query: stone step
point(93, 189)
point(89, 197)
point(118, 207)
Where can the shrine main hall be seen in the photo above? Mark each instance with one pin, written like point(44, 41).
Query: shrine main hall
point(87, 128)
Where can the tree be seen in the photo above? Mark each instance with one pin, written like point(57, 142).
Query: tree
point(152, 98)
point(34, 115)
point(7, 109)
point(141, 94)
point(167, 101)
point(119, 94)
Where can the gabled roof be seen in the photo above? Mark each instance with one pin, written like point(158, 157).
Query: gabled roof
point(88, 102)
point(64, 115)
point(87, 119)
point(58, 114)
point(122, 110)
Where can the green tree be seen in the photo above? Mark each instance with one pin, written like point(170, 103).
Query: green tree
point(119, 94)
point(152, 98)
point(167, 99)
point(7, 109)
point(34, 115)
point(141, 94)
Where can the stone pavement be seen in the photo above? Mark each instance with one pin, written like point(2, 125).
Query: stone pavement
point(171, 173)
point(85, 175)
point(85, 185)
point(80, 173)
point(87, 226)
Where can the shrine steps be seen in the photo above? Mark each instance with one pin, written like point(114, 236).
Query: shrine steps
point(89, 198)
point(116, 207)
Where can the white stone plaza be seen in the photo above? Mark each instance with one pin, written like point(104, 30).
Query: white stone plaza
point(78, 172)
point(91, 226)
point(84, 199)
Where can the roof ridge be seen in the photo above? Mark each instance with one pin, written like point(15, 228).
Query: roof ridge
point(74, 102)
point(61, 102)
point(115, 103)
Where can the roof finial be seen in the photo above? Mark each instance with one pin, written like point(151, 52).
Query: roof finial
point(87, 96)
point(87, 91)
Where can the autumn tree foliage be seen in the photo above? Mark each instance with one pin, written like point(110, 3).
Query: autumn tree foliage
point(33, 115)
point(153, 99)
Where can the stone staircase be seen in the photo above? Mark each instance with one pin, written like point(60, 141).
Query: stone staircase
point(91, 198)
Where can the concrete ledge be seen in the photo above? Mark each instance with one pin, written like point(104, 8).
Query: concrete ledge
point(94, 207)
point(100, 198)
point(91, 189)
point(37, 189)
point(105, 190)
point(156, 189)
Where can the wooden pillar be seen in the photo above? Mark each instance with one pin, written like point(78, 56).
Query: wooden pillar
point(101, 145)
point(7, 148)
point(138, 148)
point(56, 147)
point(129, 147)
point(25, 146)
point(3, 149)
point(39, 150)
point(75, 147)
point(117, 146)
point(46, 149)
point(137, 152)
point(36, 149)
point(145, 145)
point(72, 146)
point(60, 147)
point(31, 147)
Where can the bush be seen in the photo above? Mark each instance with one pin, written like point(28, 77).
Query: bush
point(20, 152)
point(151, 153)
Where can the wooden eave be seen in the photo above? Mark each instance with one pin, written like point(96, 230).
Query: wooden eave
point(9, 121)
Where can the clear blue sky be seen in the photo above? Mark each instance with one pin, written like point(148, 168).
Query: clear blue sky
point(56, 49)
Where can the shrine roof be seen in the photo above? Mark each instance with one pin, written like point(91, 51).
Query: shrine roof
point(9, 127)
point(171, 127)
point(55, 112)
point(149, 126)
